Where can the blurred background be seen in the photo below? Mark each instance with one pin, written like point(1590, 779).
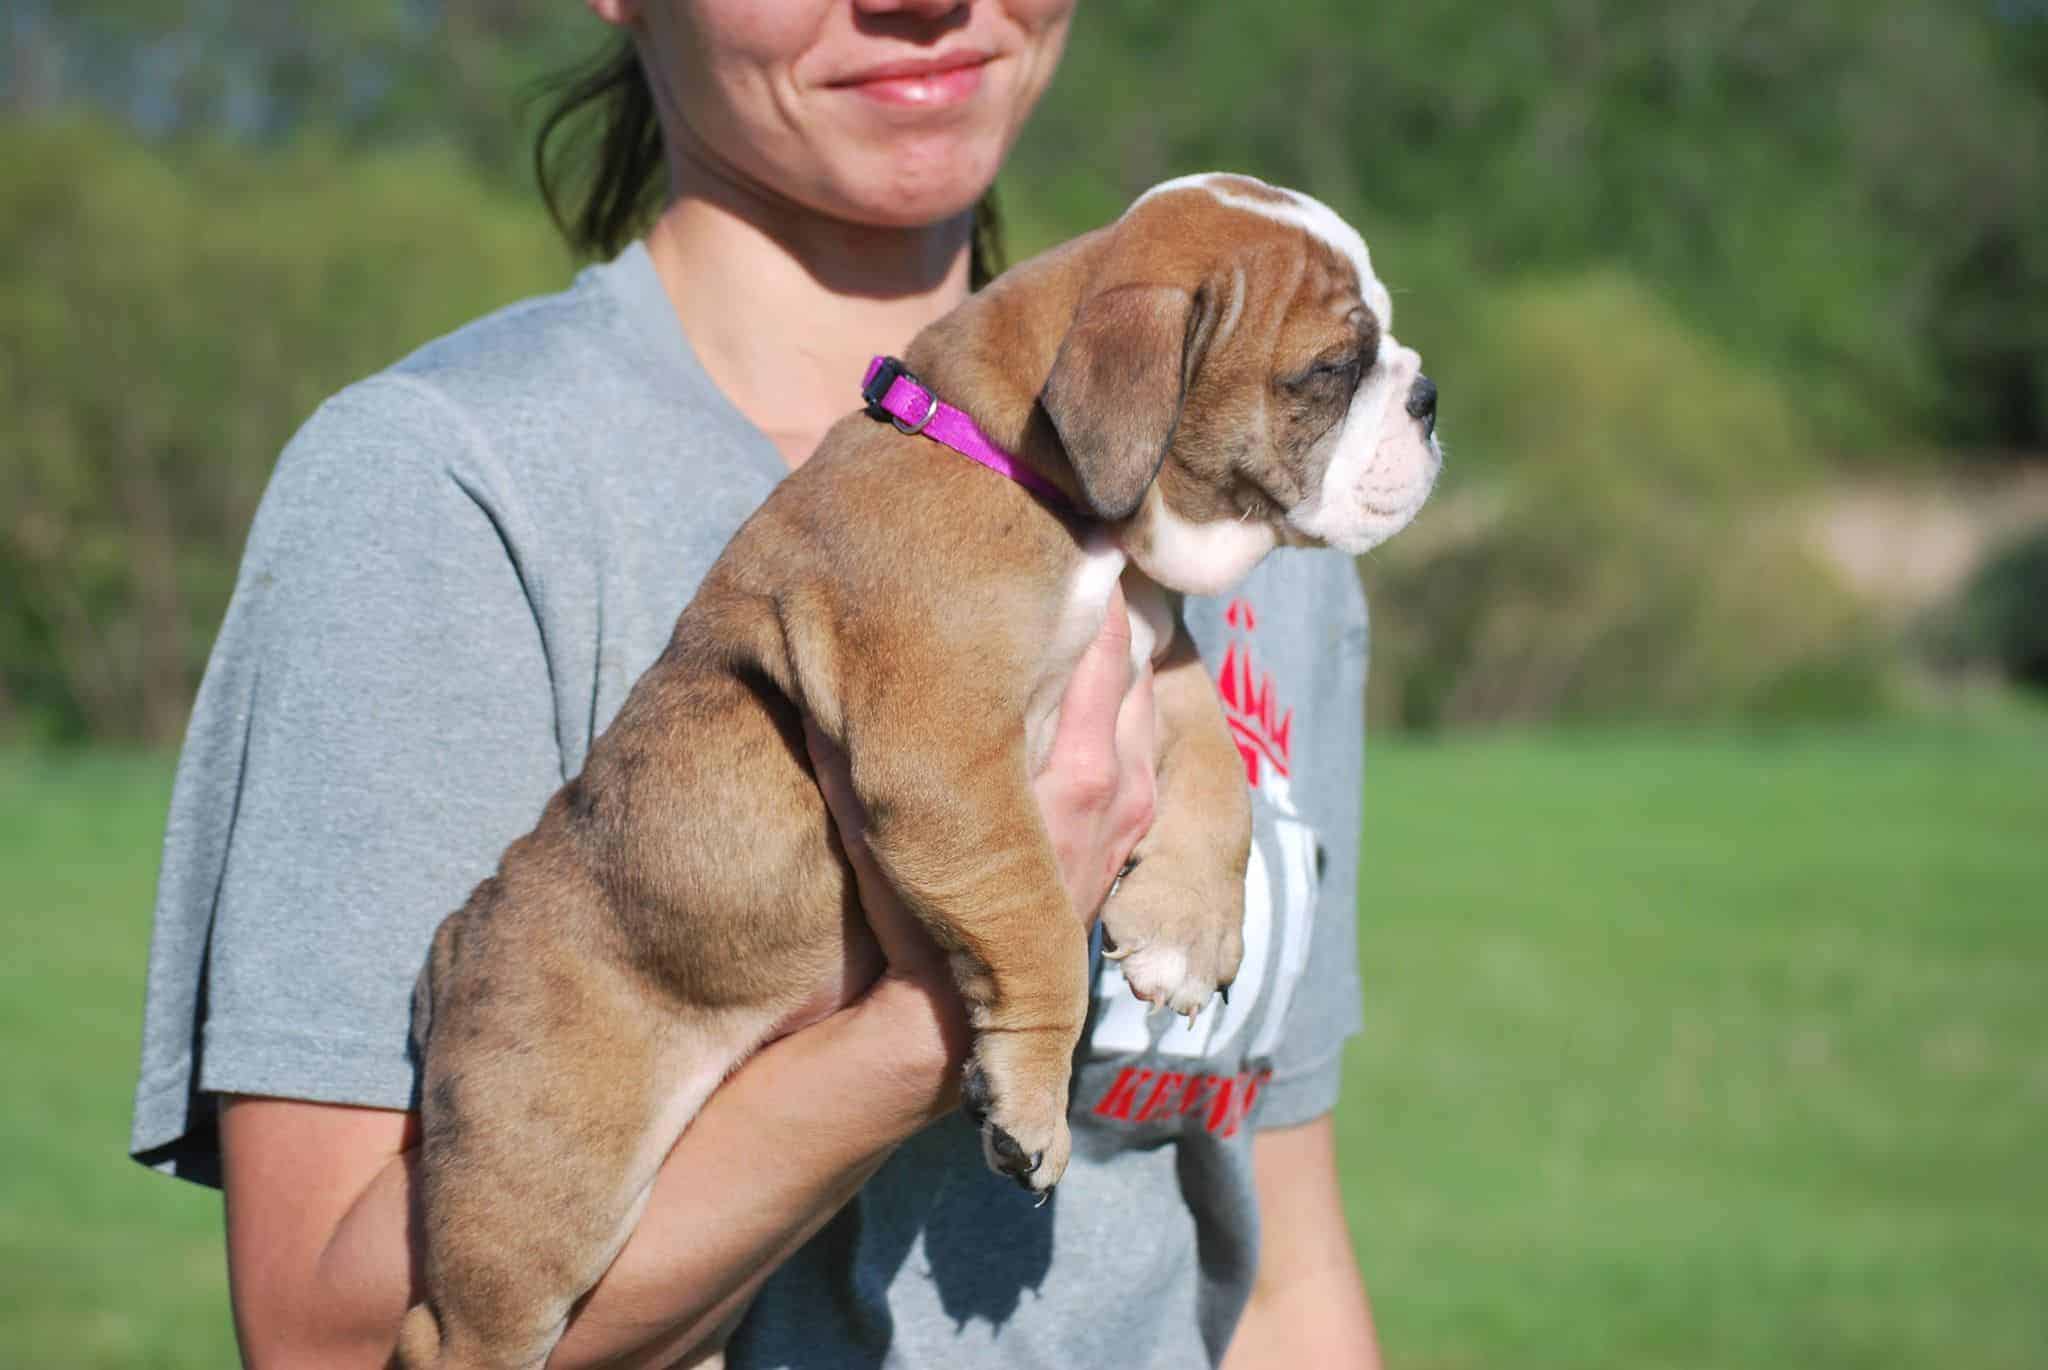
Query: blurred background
point(1707, 816)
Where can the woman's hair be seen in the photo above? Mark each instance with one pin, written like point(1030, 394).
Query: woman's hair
point(603, 197)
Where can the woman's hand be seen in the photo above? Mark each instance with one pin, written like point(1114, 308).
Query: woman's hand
point(1095, 792)
point(1099, 783)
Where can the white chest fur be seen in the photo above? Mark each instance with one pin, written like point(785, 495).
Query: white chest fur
point(1197, 558)
point(1151, 618)
point(1082, 609)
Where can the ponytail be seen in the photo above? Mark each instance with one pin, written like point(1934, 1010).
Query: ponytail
point(985, 255)
point(600, 204)
point(602, 198)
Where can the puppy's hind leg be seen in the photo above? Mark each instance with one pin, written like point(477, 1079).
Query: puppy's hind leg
point(533, 1172)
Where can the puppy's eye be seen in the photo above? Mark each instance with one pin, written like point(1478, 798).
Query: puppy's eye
point(1334, 378)
point(1327, 372)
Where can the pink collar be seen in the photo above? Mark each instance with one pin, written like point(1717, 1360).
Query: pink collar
point(893, 393)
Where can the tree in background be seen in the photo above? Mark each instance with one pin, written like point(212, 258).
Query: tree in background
point(1852, 194)
point(1675, 255)
point(366, 72)
point(166, 322)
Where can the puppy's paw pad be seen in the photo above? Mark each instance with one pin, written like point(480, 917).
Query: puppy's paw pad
point(1007, 1157)
point(1036, 1165)
point(1029, 1145)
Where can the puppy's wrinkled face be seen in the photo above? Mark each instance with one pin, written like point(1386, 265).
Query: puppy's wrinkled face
point(1292, 415)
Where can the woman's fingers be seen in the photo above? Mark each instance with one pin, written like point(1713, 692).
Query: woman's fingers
point(1137, 750)
point(1084, 744)
point(1096, 791)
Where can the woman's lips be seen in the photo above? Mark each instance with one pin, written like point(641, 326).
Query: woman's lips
point(929, 84)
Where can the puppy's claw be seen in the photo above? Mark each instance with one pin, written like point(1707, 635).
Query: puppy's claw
point(1224, 990)
point(1043, 1195)
point(1110, 953)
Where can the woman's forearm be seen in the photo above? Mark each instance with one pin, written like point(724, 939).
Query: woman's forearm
point(782, 1147)
point(1308, 1304)
point(778, 1149)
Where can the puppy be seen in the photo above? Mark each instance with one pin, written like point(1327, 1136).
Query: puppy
point(1208, 378)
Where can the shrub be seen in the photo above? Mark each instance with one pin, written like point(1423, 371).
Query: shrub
point(1617, 541)
point(2000, 619)
point(168, 316)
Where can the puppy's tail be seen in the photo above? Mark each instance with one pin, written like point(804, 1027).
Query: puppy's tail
point(419, 1339)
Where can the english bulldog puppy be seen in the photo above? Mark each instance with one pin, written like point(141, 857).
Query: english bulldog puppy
point(1210, 377)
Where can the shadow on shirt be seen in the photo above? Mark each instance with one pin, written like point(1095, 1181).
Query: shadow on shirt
point(829, 1304)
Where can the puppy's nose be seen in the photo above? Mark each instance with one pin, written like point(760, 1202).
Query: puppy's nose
point(1422, 403)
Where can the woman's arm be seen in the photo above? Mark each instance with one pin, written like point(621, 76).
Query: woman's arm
point(322, 1255)
point(1308, 1303)
point(319, 1198)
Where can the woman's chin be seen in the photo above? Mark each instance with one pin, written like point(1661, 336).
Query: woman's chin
point(907, 178)
point(908, 200)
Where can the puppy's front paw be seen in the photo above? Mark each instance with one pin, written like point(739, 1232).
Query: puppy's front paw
point(1023, 1139)
point(1173, 961)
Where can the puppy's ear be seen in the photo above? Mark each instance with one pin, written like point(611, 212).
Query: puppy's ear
point(1116, 388)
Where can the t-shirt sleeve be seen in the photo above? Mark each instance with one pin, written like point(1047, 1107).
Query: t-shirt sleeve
point(1325, 1011)
point(399, 731)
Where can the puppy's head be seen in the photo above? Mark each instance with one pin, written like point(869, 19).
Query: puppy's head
point(1231, 382)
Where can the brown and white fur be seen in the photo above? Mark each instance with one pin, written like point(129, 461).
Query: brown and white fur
point(1209, 377)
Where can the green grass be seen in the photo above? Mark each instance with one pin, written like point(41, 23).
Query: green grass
point(101, 1263)
point(1706, 1051)
point(1682, 1051)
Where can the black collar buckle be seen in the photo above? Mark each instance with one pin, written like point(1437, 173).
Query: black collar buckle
point(891, 370)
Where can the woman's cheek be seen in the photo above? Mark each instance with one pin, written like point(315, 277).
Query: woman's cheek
point(751, 31)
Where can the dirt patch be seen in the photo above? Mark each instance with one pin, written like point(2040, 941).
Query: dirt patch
point(1908, 543)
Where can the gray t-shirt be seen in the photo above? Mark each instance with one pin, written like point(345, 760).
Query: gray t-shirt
point(458, 570)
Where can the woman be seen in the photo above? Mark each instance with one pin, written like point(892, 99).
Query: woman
point(460, 567)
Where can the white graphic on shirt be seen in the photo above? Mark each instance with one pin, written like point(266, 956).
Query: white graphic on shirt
point(1297, 843)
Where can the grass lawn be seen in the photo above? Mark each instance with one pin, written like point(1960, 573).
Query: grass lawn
point(1706, 1051)
point(101, 1263)
point(1683, 1050)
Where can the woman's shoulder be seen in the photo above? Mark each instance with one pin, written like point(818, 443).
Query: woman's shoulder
point(558, 431)
point(540, 390)
point(605, 342)
point(607, 326)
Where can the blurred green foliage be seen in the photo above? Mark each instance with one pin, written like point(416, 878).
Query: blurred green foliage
point(363, 73)
point(1852, 195)
point(2000, 620)
point(1622, 553)
point(166, 320)
point(1673, 263)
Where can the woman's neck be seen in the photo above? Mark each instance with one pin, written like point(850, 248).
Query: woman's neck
point(784, 307)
